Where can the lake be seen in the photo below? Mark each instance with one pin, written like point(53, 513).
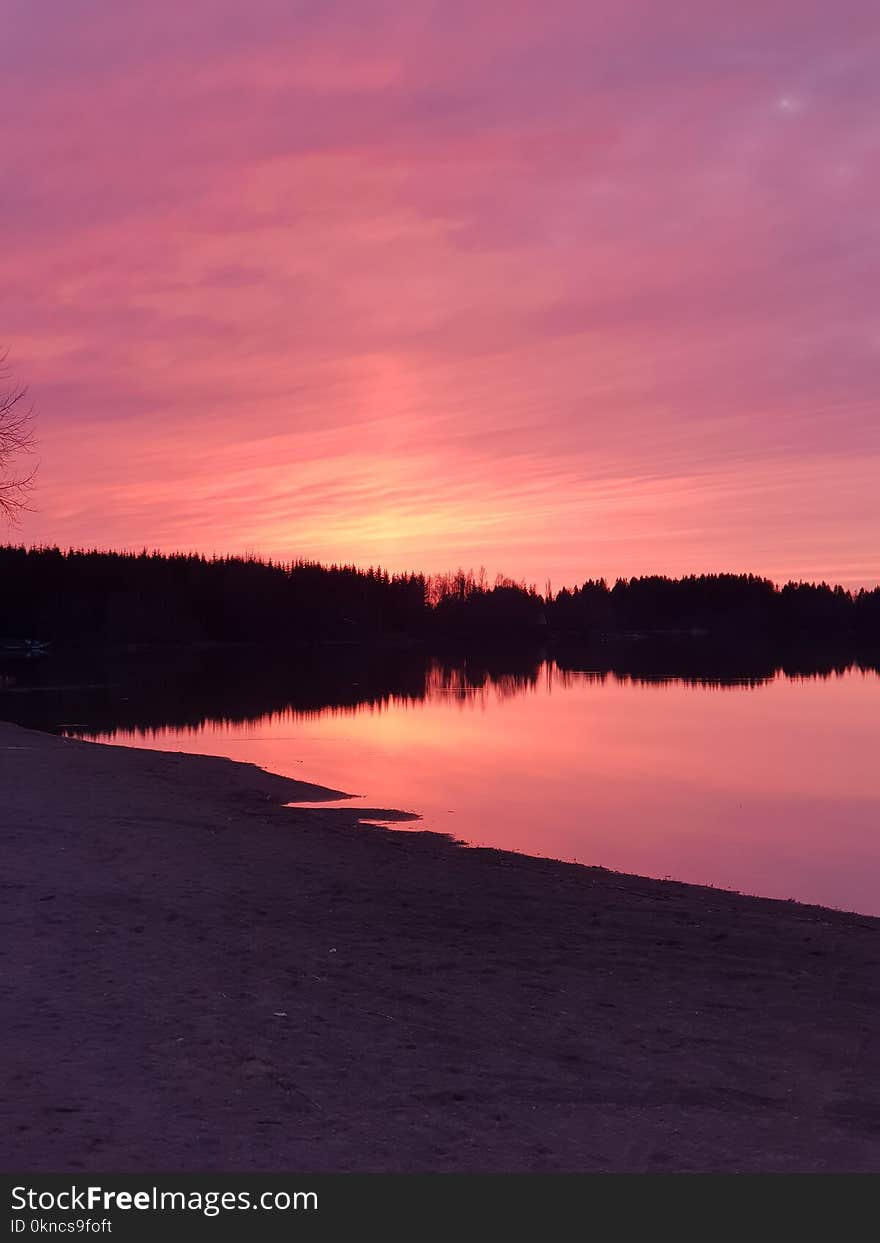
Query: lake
point(764, 782)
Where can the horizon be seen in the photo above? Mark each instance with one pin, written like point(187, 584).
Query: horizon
point(405, 285)
point(491, 578)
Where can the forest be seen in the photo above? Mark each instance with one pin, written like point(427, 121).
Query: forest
point(83, 596)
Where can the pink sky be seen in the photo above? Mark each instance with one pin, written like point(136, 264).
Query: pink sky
point(563, 289)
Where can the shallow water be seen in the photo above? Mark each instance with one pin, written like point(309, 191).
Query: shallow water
point(768, 786)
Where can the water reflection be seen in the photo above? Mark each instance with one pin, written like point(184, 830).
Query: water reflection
point(742, 771)
point(154, 688)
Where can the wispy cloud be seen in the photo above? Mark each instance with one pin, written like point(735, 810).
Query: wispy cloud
point(583, 289)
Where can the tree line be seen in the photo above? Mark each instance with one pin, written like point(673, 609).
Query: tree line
point(90, 596)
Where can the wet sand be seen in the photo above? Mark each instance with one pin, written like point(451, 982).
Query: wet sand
point(199, 978)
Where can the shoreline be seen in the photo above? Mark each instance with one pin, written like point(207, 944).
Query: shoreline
point(202, 978)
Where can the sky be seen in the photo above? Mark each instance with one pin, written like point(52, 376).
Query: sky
point(562, 289)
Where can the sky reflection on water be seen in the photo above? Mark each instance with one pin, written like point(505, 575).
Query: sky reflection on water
point(768, 787)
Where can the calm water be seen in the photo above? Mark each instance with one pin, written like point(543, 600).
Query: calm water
point(769, 787)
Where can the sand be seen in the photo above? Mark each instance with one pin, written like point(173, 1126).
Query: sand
point(198, 978)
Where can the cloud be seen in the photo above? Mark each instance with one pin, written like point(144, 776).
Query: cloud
point(438, 274)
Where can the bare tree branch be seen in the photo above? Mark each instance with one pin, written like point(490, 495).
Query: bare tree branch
point(16, 439)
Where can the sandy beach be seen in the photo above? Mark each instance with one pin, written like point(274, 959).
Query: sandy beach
point(197, 977)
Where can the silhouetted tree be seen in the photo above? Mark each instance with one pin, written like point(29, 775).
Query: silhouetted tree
point(16, 439)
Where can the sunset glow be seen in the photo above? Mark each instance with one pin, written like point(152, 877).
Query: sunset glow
point(565, 290)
